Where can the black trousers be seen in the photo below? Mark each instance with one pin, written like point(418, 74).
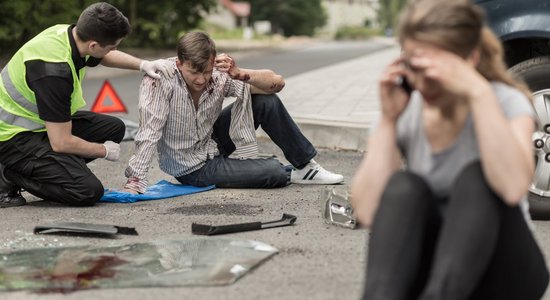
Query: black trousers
point(470, 246)
point(270, 113)
point(31, 163)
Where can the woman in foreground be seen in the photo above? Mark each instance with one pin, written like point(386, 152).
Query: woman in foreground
point(443, 185)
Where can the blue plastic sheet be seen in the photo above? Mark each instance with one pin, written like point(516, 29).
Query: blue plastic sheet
point(161, 190)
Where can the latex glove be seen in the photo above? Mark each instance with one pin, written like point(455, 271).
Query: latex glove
point(112, 150)
point(151, 67)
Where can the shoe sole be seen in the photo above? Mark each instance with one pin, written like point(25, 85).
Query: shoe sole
point(8, 206)
point(4, 205)
point(315, 182)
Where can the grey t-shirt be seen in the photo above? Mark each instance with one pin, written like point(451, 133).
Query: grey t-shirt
point(441, 169)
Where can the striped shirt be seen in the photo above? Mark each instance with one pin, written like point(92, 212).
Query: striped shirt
point(181, 134)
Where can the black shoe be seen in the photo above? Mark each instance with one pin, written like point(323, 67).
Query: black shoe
point(12, 198)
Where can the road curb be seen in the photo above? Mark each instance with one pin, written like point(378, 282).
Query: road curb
point(333, 133)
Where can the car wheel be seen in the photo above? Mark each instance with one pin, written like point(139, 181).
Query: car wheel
point(536, 73)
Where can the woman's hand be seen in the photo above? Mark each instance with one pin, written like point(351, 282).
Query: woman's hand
point(454, 74)
point(393, 98)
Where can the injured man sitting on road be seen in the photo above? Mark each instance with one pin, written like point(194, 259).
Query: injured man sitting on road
point(201, 144)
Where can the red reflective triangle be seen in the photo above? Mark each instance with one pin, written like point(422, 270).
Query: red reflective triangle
point(107, 91)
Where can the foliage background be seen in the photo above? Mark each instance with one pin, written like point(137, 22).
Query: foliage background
point(388, 14)
point(154, 23)
point(290, 17)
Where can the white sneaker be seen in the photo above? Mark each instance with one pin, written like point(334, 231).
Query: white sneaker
point(313, 173)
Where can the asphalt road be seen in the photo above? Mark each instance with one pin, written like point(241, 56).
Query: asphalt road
point(297, 60)
point(315, 260)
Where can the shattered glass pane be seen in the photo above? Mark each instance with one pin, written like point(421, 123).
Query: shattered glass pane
point(193, 261)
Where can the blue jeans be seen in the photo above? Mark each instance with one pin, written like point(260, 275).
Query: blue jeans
point(222, 171)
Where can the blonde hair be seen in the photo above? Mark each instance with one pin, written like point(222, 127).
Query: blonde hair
point(458, 26)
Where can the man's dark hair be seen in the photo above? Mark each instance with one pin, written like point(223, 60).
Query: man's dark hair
point(197, 48)
point(103, 23)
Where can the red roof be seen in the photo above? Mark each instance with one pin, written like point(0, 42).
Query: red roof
point(239, 9)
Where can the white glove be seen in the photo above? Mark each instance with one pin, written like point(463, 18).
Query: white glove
point(151, 67)
point(112, 150)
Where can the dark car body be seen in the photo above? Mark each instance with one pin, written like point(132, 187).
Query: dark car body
point(522, 25)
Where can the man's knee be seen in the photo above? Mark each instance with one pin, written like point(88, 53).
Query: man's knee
point(279, 176)
point(119, 130)
point(266, 101)
point(84, 193)
point(271, 174)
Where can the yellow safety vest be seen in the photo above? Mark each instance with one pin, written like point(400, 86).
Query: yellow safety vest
point(18, 110)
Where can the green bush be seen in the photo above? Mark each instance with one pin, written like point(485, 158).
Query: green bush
point(290, 17)
point(154, 23)
point(355, 33)
point(218, 32)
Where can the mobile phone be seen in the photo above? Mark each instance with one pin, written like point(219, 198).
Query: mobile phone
point(404, 84)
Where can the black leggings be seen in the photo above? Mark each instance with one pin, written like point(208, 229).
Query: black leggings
point(31, 163)
point(472, 247)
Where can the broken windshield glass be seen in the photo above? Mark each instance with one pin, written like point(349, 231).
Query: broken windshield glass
point(192, 261)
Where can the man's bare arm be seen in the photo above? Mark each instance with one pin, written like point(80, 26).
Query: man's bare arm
point(261, 81)
point(63, 141)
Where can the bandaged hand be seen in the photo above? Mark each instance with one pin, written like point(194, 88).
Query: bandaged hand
point(151, 67)
point(225, 63)
point(135, 186)
point(112, 150)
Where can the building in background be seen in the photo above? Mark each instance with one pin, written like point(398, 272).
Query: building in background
point(350, 13)
point(230, 14)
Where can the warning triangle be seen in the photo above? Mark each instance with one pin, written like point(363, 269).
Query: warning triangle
point(102, 105)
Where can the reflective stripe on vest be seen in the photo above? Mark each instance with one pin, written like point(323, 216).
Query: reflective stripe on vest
point(10, 118)
point(19, 121)
point(15, 95)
